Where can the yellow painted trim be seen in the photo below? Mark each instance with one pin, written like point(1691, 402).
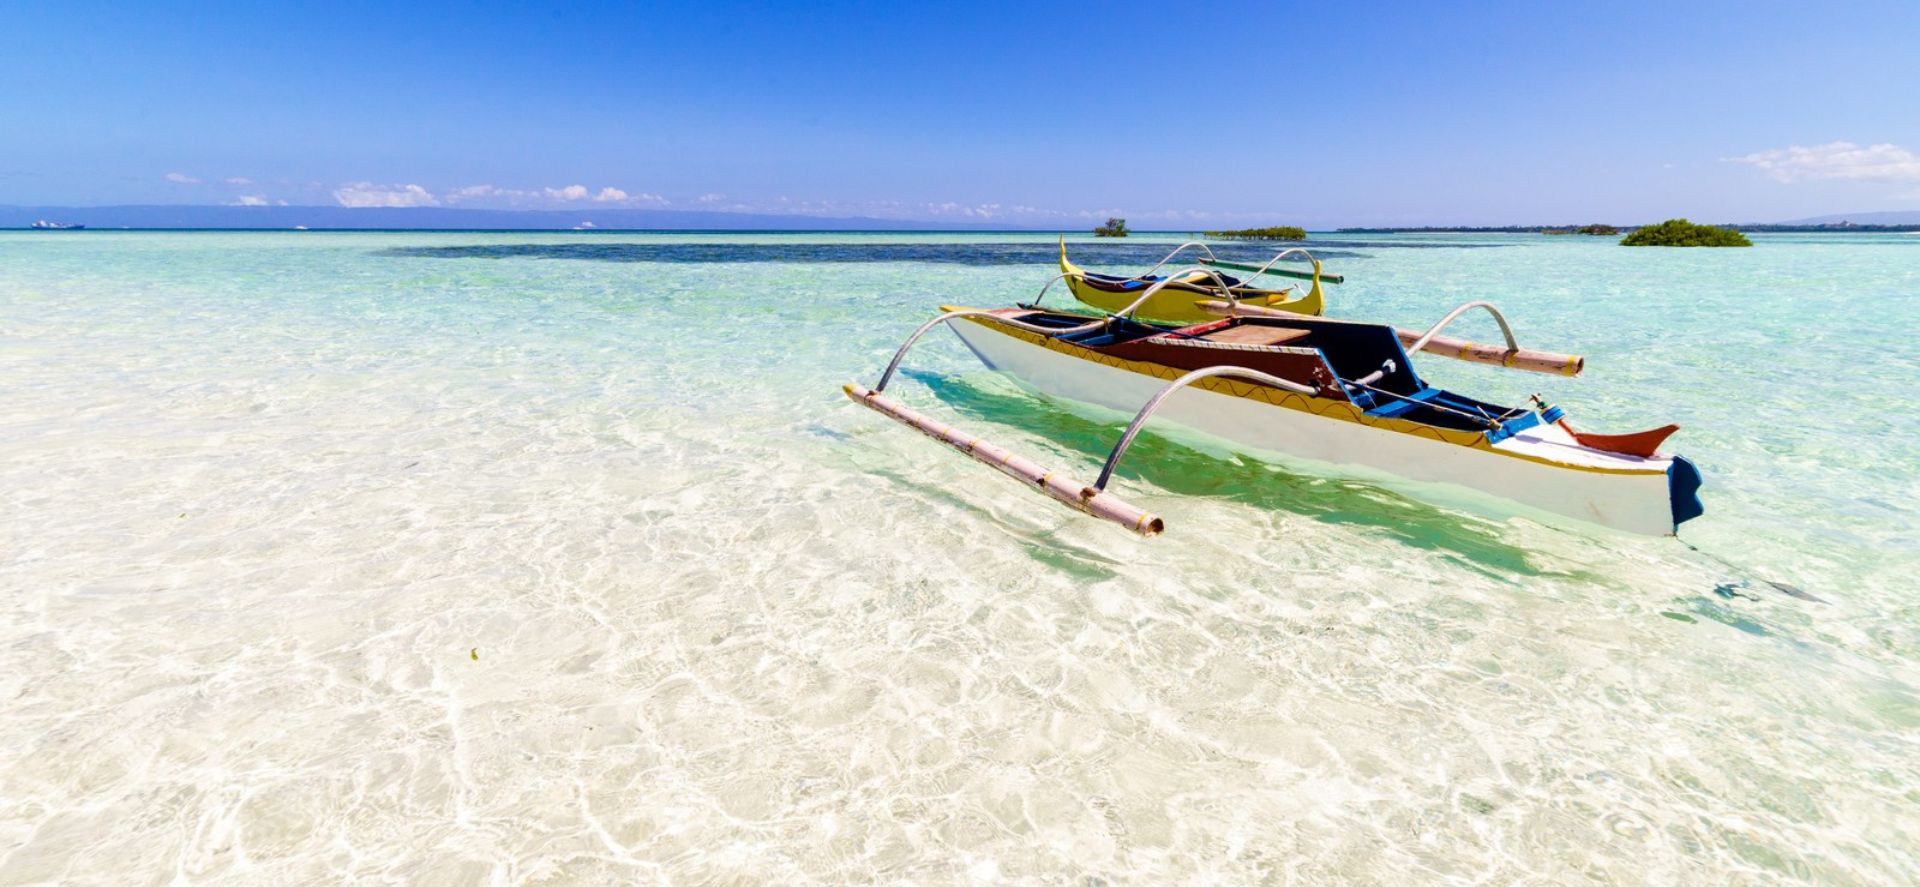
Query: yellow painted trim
point(1317, 406)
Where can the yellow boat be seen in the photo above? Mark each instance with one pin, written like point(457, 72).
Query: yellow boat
point(1178, 302)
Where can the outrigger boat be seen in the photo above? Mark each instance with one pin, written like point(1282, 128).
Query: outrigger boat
point(1177, 297)
point(1337, 392)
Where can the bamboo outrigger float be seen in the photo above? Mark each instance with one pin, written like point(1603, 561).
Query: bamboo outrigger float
point(1336, 392)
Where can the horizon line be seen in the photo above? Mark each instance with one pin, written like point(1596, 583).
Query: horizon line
point(880, 224)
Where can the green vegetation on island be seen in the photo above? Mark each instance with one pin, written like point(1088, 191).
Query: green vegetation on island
point(1277, 232)
point(1747, 227)
point(1113, 228)
point(1596, 229)
point(1680, 232)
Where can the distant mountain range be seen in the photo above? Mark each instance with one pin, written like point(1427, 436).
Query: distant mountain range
point(454, 218)
point(1905, 217)
point(1875, 222)
point(434, 217)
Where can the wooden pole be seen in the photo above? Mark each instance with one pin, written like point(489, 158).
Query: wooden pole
point(1080, 497)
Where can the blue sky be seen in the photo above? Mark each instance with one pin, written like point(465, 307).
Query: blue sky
point(1218, 113)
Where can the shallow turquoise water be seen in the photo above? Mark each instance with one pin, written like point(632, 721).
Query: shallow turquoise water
point(268, 495)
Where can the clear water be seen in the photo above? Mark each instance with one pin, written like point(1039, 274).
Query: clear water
point(267, 496)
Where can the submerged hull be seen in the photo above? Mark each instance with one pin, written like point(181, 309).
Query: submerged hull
point(1542, 468)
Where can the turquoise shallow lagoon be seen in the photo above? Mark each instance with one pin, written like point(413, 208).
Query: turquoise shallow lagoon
point(560, 556)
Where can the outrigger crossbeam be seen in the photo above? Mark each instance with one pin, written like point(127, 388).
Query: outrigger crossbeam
point(1512, 356)
point(1276, 272)
point(1160, 397)
point(1092, 498)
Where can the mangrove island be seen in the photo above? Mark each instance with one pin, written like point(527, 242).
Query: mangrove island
point(1680, 232)
point(1277, 232)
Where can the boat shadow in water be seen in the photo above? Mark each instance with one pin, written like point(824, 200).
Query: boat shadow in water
point(1186, 471)
point(1061, 555)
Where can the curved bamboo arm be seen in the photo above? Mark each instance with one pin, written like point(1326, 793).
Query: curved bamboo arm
point(1171, 279)
point(1214, 258)
point(901, 354)
point(1124, 313)
point(1141, 276)
point(1226, 289)
point(1283, 254)
point(1043, 290)
point(1453, 315)
point(1176, 251)
point(1140, 418)
point(1211, 258)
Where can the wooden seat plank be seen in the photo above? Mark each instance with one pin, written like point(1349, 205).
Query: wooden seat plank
point(1252, 334)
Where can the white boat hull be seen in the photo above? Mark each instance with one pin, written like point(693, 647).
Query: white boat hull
point(1540, 468)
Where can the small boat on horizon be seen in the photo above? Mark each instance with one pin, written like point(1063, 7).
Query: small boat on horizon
point(44, 225)
point(1339, 394)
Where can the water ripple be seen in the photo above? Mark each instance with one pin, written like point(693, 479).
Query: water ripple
point(324, 565)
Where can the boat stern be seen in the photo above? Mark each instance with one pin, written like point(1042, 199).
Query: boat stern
point(1683, 491)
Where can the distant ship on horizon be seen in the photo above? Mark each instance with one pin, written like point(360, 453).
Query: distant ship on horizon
point(44, 225)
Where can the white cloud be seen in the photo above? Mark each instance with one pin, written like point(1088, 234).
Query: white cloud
point(239, 180)
point(1836, 160)
point(962, 211)
point(473, 192)
point(180, 178)
point(548, 196)
point(604, 195)
point(974, 211)
point(360, 194)
point(250, 200)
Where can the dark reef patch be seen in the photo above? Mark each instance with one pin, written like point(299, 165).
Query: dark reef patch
point(981, 254)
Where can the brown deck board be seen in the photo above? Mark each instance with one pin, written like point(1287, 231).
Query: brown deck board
point(1255, 335)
